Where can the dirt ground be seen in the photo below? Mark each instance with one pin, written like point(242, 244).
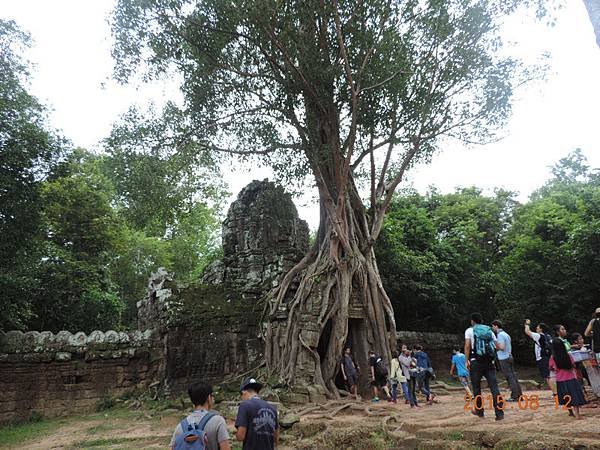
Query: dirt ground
point(343, 424)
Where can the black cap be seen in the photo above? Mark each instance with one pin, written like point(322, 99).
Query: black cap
point(250, 383)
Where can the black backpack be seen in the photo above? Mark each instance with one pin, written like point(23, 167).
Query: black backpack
point(380, 368)
point(545, 344)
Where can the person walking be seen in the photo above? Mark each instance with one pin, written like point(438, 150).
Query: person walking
point(350, 372)
point(256, 422)
point(379, 375)
point(425, 372)
point(202, 423)
point(505, 358)
point(459, 367)
point(480, 347)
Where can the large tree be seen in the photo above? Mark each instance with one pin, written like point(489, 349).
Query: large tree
point(352, 93)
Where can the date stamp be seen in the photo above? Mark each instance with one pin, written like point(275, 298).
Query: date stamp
point(530, 402)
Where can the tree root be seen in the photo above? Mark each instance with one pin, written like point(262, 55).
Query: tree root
point(391, 433)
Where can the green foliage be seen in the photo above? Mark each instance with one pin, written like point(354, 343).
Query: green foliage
point(437, 255)
point(310, 82)
point(552, 253)
point(28, 153)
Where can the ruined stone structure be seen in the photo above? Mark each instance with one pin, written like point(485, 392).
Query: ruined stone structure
point(211, 329)
point(55, 374)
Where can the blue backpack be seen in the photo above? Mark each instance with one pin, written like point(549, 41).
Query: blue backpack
point(193, 436)
point(484, 347)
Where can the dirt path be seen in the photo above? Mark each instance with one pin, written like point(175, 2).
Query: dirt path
point(355, 425)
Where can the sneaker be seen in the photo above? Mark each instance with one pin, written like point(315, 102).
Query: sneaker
point(375, 399)
point(500, 417)
point(407, 402)
point(389, 400)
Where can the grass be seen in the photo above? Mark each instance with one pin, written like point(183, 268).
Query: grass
point(137, 442)
point(16, 434)
point(455, 436)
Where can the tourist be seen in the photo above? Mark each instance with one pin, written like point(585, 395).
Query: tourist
point(397, 377)
point(561, 333)
point(459, 367)
point(379, 374)
point(256, 421)
point(577, 343)
point(593, 330)
point(425, 372)
point(505, 358)
point(350, 372)
point(408, 365)
point(481, 350)
point(201, 423)
point(569, 390)
point(542, 348)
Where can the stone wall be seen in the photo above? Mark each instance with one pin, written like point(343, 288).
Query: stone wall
point(437, 345)
point(57, 374)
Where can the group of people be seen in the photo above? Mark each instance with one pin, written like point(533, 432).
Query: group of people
point(487, 345)
point(487, 350)
point(410, 370)
point(256, 423)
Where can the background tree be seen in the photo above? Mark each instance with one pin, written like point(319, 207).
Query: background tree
point(28, 153)
point(438, 256)
point(330, 89)
point(552, 252)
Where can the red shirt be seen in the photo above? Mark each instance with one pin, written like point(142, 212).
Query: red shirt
point(563, 374)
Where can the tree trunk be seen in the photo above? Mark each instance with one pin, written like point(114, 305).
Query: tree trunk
point(309, 313)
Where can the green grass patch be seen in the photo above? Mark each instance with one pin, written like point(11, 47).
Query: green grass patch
point(14, 435)
point(455, 436)
point(137, 442)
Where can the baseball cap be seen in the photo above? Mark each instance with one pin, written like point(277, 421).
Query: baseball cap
point(250, 383)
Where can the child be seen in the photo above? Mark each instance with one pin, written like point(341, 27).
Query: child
point(568, 388)
point(396, 376)
point(459, 365)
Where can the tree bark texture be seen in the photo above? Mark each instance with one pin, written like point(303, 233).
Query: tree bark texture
point(309, 312)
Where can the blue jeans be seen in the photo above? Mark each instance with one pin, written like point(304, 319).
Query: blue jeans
point(423, 381)
point(413, 388)
point(405, 391)
point(394, 390)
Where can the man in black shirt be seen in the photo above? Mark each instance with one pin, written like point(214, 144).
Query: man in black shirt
point(256, 420)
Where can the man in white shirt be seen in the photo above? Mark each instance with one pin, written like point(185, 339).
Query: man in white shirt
point(542, 347)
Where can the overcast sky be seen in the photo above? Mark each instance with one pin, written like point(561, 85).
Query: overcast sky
point(71, 53)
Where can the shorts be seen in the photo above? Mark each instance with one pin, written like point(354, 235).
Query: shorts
point(352, 379)
point(542, 365)
point(464, 381)
point(379, 381)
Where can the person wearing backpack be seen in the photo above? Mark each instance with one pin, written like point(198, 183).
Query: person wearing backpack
point(202, 429)
point(480, 346)
point(425, 373)
point(379, 374)
point(542, 348)
point(256, 422)
point(593, 330)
